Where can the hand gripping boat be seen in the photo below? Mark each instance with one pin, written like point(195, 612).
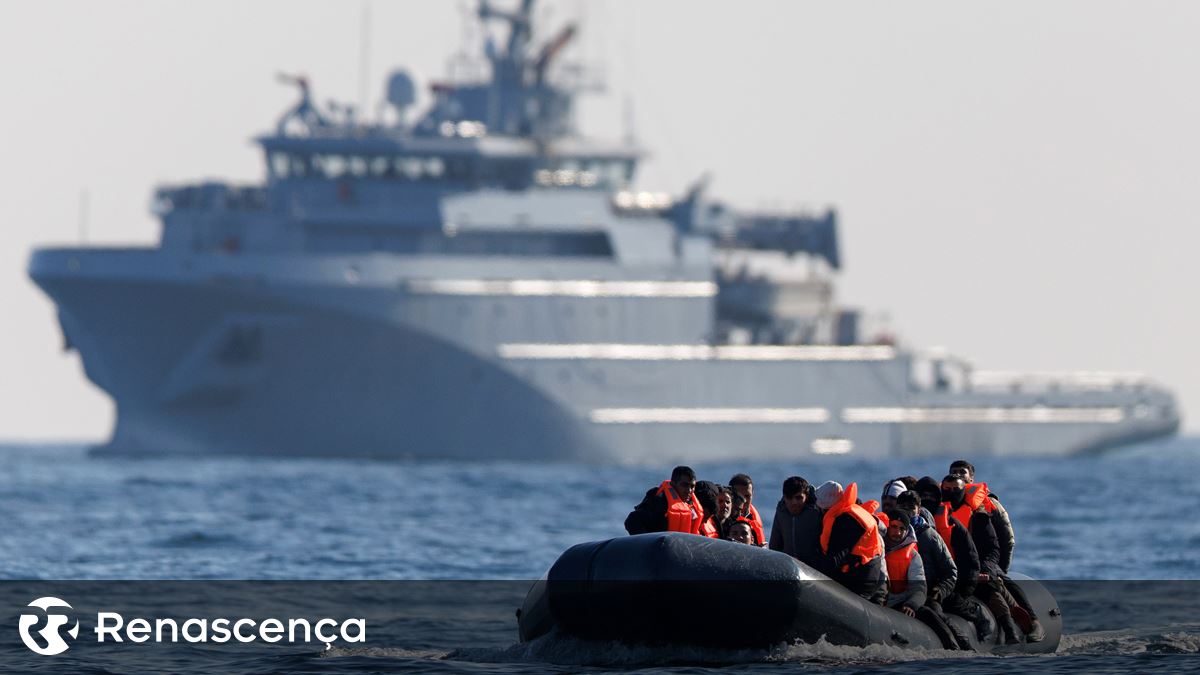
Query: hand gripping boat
point(670, 588)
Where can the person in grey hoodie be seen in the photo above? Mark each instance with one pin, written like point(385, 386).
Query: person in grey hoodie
point(906, 572)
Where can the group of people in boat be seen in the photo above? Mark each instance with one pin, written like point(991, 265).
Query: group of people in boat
point(925, 547)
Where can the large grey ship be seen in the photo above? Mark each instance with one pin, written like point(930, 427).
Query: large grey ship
point(478, 279)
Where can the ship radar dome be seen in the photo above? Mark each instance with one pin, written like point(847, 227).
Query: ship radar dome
point(400, 91)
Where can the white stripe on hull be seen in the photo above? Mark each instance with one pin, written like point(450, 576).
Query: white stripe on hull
point(632, 352)
point(991, 415)
point(709, 415)
point(579, 288)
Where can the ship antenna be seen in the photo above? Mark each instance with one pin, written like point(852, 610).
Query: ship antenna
point(364, 55)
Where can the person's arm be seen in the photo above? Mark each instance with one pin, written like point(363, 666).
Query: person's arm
point(842, 537)
point(949, 571)
point(1004, 532)
point(916, 591)
point(986, 542)
point(967, 559)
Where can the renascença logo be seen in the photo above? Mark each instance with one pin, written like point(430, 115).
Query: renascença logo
point(109, 626)
point(51, 632)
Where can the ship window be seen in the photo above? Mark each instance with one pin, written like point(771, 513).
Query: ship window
point(279, 164)
point(333, 166)
point(435, 167)
point(358, 166)
point(299, 166)
point(381, 167)
point(410, 167)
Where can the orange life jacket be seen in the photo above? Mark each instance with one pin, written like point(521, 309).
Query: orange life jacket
point(868, 545)
point(897, 567)
point(755, 521)
point(681, 516)
point(974, 498)
point(708, 529)
point(872, 507)
point(978, 493)
point(941, 521)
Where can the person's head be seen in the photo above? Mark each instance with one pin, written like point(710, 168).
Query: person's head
point(683, 481)
point(706, 494)
point(724, 502)
point(909, 503)
point(931, 493)
point(742, 484)
point(828, 494)
point(964, 469)
point(910, 482)
point(741, 533)
point(952, 489)
point(898, 524)
point(888, 500)
point(740, 505)
point(795, 494)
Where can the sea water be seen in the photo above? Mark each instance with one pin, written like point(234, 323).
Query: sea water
point(1125, 515)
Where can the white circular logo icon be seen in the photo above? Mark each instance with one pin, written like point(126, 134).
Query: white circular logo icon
point(51, 633)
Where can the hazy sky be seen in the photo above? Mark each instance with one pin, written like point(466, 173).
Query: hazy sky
point(1018, 182)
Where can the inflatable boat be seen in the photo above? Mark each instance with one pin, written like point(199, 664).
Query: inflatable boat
point(671, 588)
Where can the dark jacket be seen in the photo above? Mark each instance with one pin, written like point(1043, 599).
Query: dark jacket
point(650, 515)
point(986, 543)
point(941, 573)
point(1004, 533)
point(966, 558)
point(798, 536)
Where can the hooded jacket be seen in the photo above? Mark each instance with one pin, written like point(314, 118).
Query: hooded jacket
point(941, 572)
point(798, 536)
point(913, 592)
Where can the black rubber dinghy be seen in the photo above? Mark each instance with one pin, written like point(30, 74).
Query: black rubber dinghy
point(670, 588)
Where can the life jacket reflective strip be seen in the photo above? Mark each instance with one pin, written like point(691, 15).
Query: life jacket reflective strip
point(681, 516)
point(898, 562)
point(868, 545)
point(708, 529)
point(941, 521)
point(755, 521)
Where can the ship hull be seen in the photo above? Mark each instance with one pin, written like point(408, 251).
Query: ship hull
point(276, 365)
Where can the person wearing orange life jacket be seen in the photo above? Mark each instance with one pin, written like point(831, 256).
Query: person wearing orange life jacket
point(850, 542)
point(906, 570)
point(969, 507)
point(941, 573)
point(744, 485)
point(707, 492)
point(966, 559)
point(1000, 520)
point(671, 507)
point(1007, 541)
